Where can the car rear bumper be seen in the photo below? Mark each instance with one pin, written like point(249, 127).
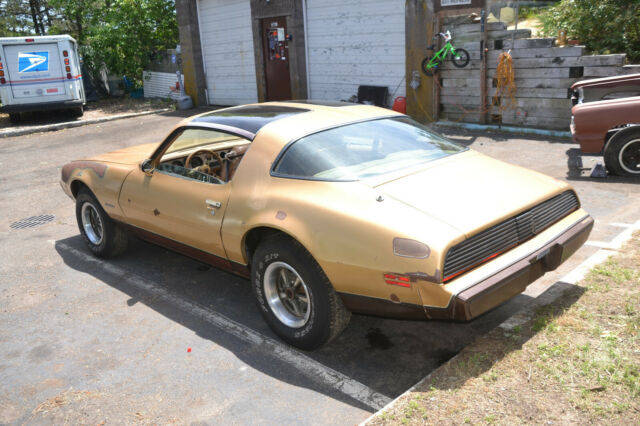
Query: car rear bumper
point(488, 293)
point(46, 106)
point(502, 286)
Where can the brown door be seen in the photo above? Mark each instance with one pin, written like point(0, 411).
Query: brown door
point(276, 58)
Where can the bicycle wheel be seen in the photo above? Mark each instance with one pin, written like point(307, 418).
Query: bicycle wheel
point(426, 70)
point(461, 58)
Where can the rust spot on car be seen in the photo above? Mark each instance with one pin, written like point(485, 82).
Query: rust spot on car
point(394, 298)
point(68, 169)
point(423, 276)
point(156, 212)
point(281, 215)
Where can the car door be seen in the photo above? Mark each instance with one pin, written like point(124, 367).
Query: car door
point(183, 209)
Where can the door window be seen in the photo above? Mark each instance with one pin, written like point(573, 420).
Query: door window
point(203, 155)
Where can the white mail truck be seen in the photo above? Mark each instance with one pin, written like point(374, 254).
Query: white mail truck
point(40, 73)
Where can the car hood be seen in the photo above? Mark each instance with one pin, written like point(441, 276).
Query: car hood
point(131, 155)
point(471, 191)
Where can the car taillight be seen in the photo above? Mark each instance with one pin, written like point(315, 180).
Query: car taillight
point(69, 75)
point(2, 80)
point(66, 61)
point(65, 53)
point(0, 65)
point(1, 73)
point(29, 40)
point(68, 68)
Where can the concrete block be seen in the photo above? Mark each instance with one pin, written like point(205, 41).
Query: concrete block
point(475, 28)
point(460, 117)
point(525, 43)
point(542, 52)
point(610, 71)
point(535, 121)
point(460, 82)
point(544, 83)
point(570, 61)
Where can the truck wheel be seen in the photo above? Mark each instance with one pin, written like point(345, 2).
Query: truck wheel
point(77, 112)
point(622, 152)
point(104, 237)
point(14, 117)
point(294, 295)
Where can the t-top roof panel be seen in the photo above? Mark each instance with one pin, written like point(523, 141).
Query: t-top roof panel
point(250, 118)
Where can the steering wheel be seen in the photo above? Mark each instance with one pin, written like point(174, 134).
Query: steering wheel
point(205, 168)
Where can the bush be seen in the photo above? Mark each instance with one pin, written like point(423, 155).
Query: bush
point(603, 26)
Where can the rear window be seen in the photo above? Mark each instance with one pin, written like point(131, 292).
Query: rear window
point(362, 150)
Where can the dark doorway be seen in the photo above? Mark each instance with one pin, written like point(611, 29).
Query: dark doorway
point(275, 45)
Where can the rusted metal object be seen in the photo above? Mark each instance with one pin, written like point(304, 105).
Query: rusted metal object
point(602, 121)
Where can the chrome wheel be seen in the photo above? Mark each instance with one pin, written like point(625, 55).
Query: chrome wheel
point(287, 294)
point(629, 156)
point(92, 224)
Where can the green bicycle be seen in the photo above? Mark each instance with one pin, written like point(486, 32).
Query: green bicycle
point(459, 57)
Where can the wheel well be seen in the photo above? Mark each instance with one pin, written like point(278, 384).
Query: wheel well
point(75, 187)
point(254, 236)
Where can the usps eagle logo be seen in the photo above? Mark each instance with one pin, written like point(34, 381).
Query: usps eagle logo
point(33, 61)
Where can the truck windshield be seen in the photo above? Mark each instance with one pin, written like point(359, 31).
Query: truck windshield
point(362, 150)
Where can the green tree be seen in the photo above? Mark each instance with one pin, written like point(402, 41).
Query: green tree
point(120, 36)
point(129, 35)
point(603, 26)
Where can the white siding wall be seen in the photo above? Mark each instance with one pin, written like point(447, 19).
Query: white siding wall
point(227, 42)
point(353, 43)
point(157, 84)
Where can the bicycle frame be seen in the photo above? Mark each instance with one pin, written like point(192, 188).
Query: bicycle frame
point(441, 55)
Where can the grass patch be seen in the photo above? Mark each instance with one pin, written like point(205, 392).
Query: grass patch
point(575, 361)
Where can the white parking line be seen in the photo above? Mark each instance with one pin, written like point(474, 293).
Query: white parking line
point(303, 363)
point(620, 239)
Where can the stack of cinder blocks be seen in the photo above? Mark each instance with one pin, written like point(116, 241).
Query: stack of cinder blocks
point(543, 76)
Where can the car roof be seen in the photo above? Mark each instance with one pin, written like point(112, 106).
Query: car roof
point(251, 118)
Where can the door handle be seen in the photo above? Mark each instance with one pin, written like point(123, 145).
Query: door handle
point(213, 204)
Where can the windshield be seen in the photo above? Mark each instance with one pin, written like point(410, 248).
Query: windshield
point(362, 150)
point(192, 138)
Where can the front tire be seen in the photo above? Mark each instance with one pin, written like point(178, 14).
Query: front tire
point(102, 235)
point(295, 296)
point(428, 71)
point(461, 58)
point(622, 152)
point(14, 117)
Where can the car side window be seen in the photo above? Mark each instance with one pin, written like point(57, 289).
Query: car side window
point(204, 155)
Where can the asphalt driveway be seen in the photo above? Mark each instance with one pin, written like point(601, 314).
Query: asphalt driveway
point(155, 337)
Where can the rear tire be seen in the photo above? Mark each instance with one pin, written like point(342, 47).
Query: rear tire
point(103, 236)
point(461, 58)
point(14, 117)
point(428, 71)
point(622, 152)
point(294, 295)
point(77, 112)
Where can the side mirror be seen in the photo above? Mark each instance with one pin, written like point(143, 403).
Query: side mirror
point(147, 167)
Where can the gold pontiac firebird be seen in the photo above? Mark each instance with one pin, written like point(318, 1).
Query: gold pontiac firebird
point(333, 208)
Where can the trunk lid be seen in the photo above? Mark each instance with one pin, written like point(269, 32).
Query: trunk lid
point(471, 191)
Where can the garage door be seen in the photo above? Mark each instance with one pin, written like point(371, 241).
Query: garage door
point(227, 48)
point(355, 42)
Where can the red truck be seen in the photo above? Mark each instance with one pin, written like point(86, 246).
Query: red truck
point(604, 122)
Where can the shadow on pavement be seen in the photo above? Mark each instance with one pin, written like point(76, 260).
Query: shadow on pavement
point(386, 355)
